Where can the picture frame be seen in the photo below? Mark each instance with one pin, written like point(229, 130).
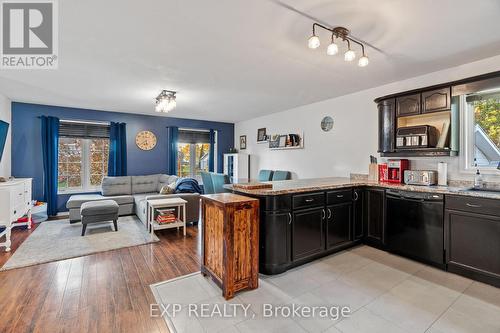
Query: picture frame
point(261, 135)
point(282, 140)
point(274, 141)
point(243, 142)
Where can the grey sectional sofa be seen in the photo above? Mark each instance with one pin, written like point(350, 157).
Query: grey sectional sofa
point(131, 193)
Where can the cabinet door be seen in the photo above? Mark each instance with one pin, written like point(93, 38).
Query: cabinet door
point(436, 100)
point(472, 242)
point(386, 126)
point(275, 242)
point(338, 226)
point(408, 105)
point(375, 216)
point(357, 212)
point(308, 232)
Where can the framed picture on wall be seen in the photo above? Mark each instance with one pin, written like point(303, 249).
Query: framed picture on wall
point(282, 141)
point(261, 135)
point(243, 142)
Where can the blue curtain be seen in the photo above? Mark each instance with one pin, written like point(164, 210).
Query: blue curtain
point(172, 137)
point(50, 143)
point(117, 163)
point(211, 154)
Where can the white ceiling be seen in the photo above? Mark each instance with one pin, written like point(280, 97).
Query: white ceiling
point(232, 60)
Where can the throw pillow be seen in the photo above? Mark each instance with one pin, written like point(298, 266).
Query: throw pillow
point(168, 189)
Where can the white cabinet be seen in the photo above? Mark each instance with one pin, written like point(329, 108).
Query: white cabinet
point(237, 167)
point(15, 202)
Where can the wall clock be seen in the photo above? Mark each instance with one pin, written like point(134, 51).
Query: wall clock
point(327, 123)
point(145, 140)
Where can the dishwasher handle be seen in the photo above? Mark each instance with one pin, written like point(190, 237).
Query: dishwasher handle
point(389, 196)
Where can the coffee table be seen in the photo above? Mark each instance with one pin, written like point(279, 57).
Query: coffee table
point(178, 203)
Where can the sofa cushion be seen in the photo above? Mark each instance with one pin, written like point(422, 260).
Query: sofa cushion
point(142, 196)
point(164, 180)
point(75, 201)
point(116, 186)
point(144, 184)
point(100, 207)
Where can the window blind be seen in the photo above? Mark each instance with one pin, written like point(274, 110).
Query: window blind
point(190, 136)
point(74, 129)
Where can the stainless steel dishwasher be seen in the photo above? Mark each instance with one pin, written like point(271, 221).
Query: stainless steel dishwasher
point(415, 225)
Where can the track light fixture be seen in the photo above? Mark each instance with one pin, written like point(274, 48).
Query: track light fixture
point(332, 49)
point(165, 101)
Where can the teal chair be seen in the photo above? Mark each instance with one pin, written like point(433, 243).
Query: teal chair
point(218, 181)
point(265, 175)
point(208, 186)
point(282, 175)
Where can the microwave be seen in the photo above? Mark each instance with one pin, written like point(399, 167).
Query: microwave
point(422, 136)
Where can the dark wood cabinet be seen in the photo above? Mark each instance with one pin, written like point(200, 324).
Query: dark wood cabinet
point(375, 216)
point(308, 238)
point(436, 100)
point(338, 224)
point(275, 252)
point(358, 213)
point(387, 126)
point(408, 105)
point(472, 238)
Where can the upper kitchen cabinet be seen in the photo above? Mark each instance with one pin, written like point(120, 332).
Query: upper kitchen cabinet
point(408, 105)
point(436, 100)
point(386, 125)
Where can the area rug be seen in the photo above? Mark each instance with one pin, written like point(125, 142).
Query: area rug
point(57, 240)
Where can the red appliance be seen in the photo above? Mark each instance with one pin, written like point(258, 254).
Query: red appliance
point(382, 172)
point(396, 170)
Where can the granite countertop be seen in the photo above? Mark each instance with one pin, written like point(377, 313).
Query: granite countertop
point(333, 183)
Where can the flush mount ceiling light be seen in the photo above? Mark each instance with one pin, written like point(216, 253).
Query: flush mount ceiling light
point(332, 49)
point(165, 101)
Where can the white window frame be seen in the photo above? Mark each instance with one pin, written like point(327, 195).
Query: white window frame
point(85, 174)
point(467, 142)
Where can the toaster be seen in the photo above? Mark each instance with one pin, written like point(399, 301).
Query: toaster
point(420, 177)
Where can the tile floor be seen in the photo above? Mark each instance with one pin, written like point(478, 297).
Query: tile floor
point(385, 293)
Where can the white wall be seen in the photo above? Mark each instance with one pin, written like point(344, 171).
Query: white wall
point(5, 115)
point(346, 148)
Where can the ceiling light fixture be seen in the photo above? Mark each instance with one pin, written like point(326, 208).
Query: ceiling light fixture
point(165, 101)
point(332, 49)
point(313, 42)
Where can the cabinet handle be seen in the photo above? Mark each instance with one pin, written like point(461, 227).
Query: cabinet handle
point(289, 218)
point(356, 196)
point(329, 213)
point(473, 206)
point(309, 200)
point(324, 214)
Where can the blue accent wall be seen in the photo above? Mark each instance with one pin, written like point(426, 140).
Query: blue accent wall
point(26, 140)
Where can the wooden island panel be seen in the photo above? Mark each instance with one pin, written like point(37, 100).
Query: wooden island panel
point(230, 241)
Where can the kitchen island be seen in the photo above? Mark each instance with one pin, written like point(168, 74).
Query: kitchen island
point(302, 220)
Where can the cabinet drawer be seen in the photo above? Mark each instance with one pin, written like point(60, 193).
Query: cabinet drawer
point(473, 204)
point(17, 194)
point(308, 200)
point(340, 196)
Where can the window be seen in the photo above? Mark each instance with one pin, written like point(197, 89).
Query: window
point(482, 129)
point(83, 159)
point(193, 153)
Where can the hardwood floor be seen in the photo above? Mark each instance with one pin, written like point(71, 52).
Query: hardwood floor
point(103, 292)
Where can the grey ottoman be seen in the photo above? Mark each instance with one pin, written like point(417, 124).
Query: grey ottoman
point(99, 211)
